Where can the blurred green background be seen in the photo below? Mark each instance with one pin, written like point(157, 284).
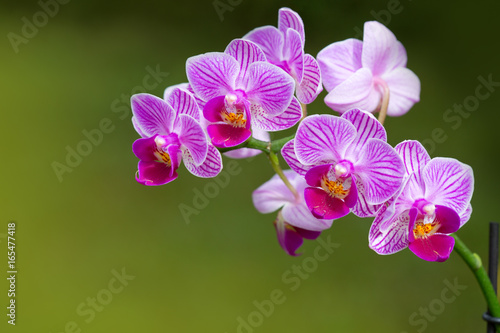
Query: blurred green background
point(74, 234)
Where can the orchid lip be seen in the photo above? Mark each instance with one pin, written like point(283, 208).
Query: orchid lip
point(336, 188)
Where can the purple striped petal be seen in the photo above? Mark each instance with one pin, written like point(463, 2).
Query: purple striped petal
point(186, 87)
point(287, 18)
point(137, 128)
point(169, 90)
point(293, 53)
point(395, 238)
point(324, 206)
point(414, 157)
point(270, 87)
point(270, 40)
point(433, 248)
point(246, 53)
point(210, 167)
point(410, 192)
point(212, 74)
point(404, 87)
point(288, 153)
point(357, 91)
point(448, 183)
point(465, 215)
point(153, 173)
point(287, 119)
point(367, 127)
point(183, 103)
point(152, 115)
point(322, 138)
point(224, 135)
point(380, 48)
point(338, 61)
point(311, 84)
point(249, 152)
point(193, 138)
point(381, 171)
point(363, 208)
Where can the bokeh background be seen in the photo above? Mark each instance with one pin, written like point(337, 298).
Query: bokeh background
point(76, 232)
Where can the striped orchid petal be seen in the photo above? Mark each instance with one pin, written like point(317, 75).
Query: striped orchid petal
point(311, 84)
point(193, 138)
point(288, 153)
point(293, 52)
point(269, 87)
point(367, 127)
point(246, 53)
point(380, 169)
point(152, 115)
point(270, 40)
point(212, 74)
point(283, 121)
point(210, 167)
point(322, 138)
point(395, 238)
point(448, 183)
point(184, 103)
point(288, 19)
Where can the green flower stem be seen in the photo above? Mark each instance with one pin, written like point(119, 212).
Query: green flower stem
point(273, 158)
point(385, 101)
point(475, 264)
point(304, 111)
point(266, 147)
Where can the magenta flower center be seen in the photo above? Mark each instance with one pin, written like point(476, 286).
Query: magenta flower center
point(336, 188)
point(426, 223)
point(423, 230)
point(234, 111)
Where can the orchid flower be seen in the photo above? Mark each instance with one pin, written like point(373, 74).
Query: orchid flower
point(241, 91)
point(171, 134)
point(284, 47)
point(240, 153)
point(294, 222)
point(347, 164)
point(358, 73)
point(434, 202)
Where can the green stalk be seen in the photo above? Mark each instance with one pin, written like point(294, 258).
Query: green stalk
point(475, 264)
point(266, 147)
point(273, 158)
